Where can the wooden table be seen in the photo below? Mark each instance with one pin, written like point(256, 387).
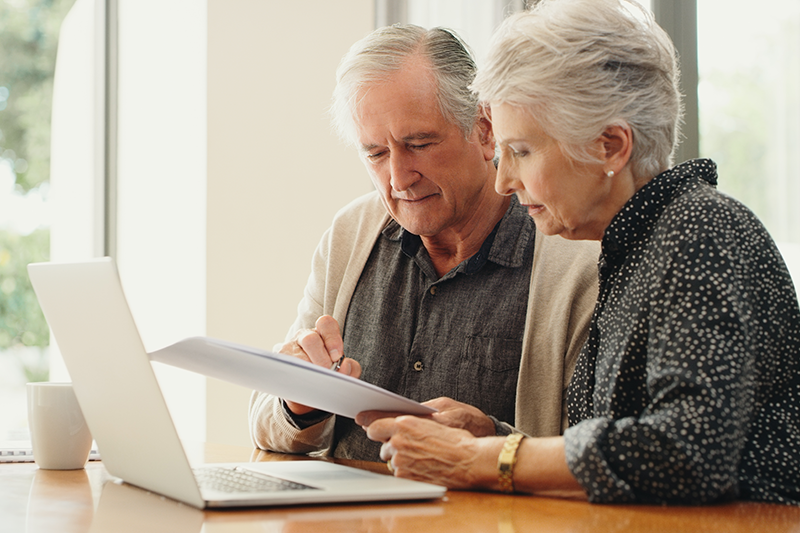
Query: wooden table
point(36, 501)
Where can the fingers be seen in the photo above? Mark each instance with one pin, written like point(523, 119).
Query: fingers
point(295, 349)
point(460, 415)
point(322, 345)
point(327, 329)
point(387, 452)
point(442, 403)
point(381, 429)
point(350, 367)
point(331, 336)
point(291, 348)
point(314, 349)
point(424, 450)
point(366, 418)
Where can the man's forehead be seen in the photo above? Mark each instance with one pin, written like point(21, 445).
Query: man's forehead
point(406, 102)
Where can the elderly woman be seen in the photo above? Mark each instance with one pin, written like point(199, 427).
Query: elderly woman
point(687, 389)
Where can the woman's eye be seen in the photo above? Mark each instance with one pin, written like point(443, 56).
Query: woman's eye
point(514, 153)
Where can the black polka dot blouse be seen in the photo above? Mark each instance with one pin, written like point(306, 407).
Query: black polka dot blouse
point(687, 390)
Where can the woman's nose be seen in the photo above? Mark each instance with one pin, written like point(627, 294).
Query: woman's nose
point(504, 182)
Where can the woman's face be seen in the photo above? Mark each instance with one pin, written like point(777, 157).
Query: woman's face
point(564, 197)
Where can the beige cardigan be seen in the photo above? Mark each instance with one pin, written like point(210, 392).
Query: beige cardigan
point(561, 300)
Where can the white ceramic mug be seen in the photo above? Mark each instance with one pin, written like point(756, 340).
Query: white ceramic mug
point(59, 434)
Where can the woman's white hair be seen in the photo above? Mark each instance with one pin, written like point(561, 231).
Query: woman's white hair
point(383, 52)
point(581, 65)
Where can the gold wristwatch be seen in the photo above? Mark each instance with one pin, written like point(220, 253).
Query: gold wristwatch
point(506, 461)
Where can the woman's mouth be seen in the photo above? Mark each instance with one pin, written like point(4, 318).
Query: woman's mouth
point(534, 209)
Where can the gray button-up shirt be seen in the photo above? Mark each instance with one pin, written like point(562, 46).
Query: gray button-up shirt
point(423, 336)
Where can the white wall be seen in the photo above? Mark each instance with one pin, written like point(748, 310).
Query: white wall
point(75, 188)
point(228, 175)
point(276, 173)
point(161, 199)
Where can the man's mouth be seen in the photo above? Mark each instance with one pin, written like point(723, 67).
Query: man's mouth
point(415, 199)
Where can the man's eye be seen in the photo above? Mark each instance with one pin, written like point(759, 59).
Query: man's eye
point(418, 146)
point(374, 156)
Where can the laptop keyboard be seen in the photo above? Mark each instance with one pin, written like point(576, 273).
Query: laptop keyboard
point(242, 480)
point(23, 453)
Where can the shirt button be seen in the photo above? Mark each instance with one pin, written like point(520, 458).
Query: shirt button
point(433, 290)
point(418, 366)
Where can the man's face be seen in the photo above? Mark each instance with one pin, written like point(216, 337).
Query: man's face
point(429, 175)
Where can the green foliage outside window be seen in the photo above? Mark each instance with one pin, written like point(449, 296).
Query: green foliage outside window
point(21, 320)
point(28, 41)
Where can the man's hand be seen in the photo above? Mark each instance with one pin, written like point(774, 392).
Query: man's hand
point(322, 346)
point(450, 413)
point(460, 415)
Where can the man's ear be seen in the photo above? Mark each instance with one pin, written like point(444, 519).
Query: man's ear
point(616, 145)
point(485, 136)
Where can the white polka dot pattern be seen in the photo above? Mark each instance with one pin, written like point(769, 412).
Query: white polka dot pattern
point(688, 389)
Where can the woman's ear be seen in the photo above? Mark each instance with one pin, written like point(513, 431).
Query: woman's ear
point(616, 146)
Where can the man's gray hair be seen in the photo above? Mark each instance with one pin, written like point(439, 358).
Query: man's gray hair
point(377, 56)
point(581, 65)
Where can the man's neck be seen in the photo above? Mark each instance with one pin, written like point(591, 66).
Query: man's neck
point(449, 248)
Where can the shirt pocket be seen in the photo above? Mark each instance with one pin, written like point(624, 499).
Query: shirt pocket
point(487, 375)
point(492, 353)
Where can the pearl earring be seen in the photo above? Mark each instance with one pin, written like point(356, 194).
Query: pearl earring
point(610, 173)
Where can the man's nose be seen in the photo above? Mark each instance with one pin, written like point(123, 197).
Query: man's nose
point(403, 171)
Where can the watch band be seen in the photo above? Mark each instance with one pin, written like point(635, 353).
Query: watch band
point(506, 461)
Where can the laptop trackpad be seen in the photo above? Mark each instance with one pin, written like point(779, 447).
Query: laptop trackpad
point(314, 471)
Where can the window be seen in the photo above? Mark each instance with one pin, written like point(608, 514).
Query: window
point(749, 91)
point(749, 109)
point(473, 20)
point(28, 42)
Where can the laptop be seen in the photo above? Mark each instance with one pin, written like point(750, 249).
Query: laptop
point(119, 395)
point(122, 507)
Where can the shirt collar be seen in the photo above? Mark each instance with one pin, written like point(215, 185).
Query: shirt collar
point(505, 245)
point(640, 214)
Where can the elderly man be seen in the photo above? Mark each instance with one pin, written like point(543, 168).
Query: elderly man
point(419, 282)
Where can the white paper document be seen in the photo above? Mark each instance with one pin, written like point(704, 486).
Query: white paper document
point(284, 376)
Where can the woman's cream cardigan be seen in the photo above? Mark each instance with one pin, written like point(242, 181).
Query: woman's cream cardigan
point(563, 290)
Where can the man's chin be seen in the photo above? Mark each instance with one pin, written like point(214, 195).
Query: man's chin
point(423, 230)
point(422, 226)
point(419, 220)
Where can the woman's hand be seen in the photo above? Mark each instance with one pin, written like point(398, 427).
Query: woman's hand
point(449, 413)
point(425, 450)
